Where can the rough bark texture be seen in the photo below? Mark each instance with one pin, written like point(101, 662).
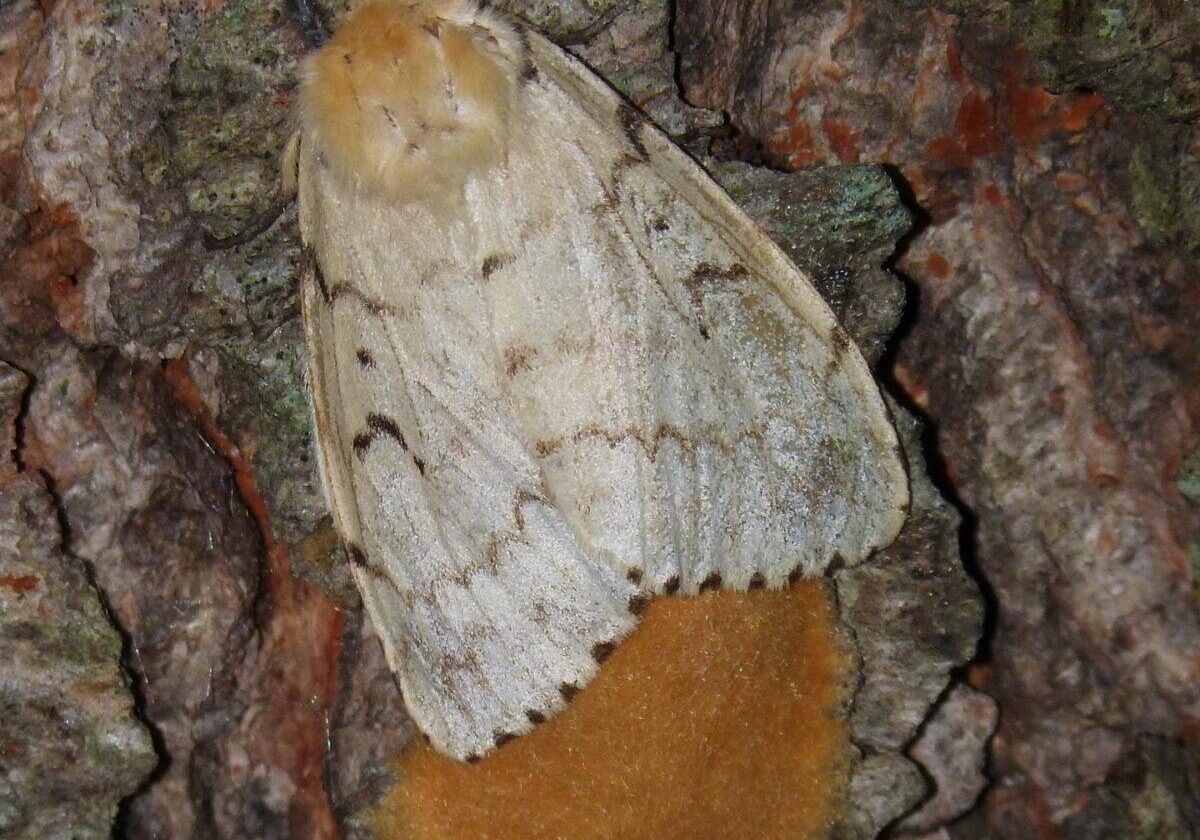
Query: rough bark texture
point(1050, 341)
point(1053, 344)
point(71, 747)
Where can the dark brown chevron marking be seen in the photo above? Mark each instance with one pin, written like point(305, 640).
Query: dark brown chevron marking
point(375, 307)
point(493, 263)
point(380, 424)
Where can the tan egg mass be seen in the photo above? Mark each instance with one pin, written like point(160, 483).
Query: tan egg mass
point(720, 717)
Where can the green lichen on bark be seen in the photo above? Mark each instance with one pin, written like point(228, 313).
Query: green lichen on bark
point(839, 224)
point(1140, 56)
point(1132, 51)
point(227, 119)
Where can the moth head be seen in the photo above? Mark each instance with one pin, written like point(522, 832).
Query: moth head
point(407, 99)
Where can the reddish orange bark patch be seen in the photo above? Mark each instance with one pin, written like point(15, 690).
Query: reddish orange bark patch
point(975, 123)
point(41, 268)
point(975, 133)
point(718, 718)
point(1077, 116)
point(948, 150)
point(67, 298)
point(1028, 111)
point(843, 139)
point(300, 646)
point(937, 264)
point(20, 583)
point(1034, 113)
point(795, 145)
point(954, 63)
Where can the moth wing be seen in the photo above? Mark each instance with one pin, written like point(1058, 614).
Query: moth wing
point(489, 612)
point(698, 414)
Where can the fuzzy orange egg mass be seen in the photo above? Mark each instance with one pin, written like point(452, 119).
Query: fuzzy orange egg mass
point(721, 716)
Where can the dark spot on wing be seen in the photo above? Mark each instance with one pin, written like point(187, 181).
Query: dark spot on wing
point(516, 359)
point(493, 263)
point(631, 123)
point(362, 442)
point(659, 224)
point(796, 573)
point(757, 581)
point(603, 650)
point(502, 738)
point(836, 564)
point(634, 575)
point(637, 604)
point(381, 424)
point(357, 556)
point(310, 264)
point(713, 581)
point(365, 359)
point(535, 717)
point(473, 758)
point(529, 73)
point(568, 691)
point(672, 585)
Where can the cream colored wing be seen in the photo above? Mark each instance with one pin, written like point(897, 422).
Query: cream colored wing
point(699, 416)
point(490, 613)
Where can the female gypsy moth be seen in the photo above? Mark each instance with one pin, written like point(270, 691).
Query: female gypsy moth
point(555, 370)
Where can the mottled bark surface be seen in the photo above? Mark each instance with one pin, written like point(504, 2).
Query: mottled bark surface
point(1052, 344)
point(1049, 338)
point(71, 746)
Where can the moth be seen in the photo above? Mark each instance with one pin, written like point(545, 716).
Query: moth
point(555, 370)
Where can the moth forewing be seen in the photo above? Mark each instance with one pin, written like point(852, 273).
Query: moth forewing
point(554, 369)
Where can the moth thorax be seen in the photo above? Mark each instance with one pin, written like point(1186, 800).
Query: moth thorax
point(408, 100)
